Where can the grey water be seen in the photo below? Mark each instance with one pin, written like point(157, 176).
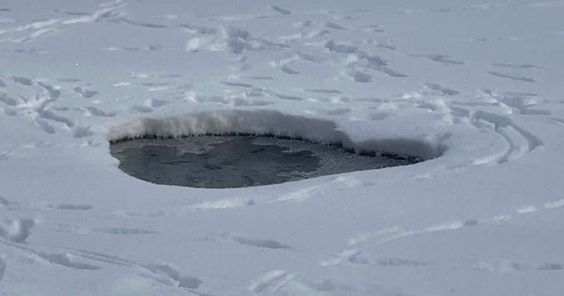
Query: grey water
point(238, 161)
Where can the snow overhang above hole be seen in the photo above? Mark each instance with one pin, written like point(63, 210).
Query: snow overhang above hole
point(228, 149)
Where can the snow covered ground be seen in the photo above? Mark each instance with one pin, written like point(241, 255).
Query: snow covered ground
point(476, 85)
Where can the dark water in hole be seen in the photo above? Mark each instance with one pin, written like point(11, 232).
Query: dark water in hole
point(237, 161)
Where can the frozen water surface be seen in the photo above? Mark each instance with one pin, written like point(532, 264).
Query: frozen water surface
point(238, 161)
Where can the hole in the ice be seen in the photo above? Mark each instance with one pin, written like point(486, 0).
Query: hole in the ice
point(240, 160)
point(231, 149)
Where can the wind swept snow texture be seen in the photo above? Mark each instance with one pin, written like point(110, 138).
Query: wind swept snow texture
point(473, 86)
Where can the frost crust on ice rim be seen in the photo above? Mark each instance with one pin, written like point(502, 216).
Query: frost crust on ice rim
point(271, 123)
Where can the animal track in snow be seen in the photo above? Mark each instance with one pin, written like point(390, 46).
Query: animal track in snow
point(3, 266)
point(259, 243)
point(341, 47)
point(520, 102)
point(441, 89)
point(514, 77)
point(286, 69)
point(361, 77)
point(17, 230)
point(440, 58)
point(6, 155)
point(67, 260)
point(98, 112)
point(280, 10)
point(362, 60)
point(85, 93)
point(73, 13)
point(123, 231)
point(260, 77)
point(163, 273)
point(141, 109)
point(22, 80)
point(35, 29)
point(74, 207)
point(169, 275)
point(237, 84)
point(513, 66)
point(519, 141)
point(34, 101)
point(46, 127)
point(123, 20)
point(334, 26)
point(289, 97)
point(494, 266)
point(53, 91)
point(366, 241)
point(511, 266)
point(388, 262)
point(50, 115)
point(228, 38)
point(107, 259)
point(8, 100)
point(4, 202)
point(325, 91)
point(271, 282)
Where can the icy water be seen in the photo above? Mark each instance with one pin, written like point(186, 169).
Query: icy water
point(237, 161)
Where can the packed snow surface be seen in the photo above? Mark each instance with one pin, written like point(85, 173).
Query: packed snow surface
point(476, 87)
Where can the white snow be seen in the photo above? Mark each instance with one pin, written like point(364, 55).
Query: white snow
point(475, 87)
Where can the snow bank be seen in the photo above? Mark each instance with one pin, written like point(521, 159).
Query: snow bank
point(268, 122)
